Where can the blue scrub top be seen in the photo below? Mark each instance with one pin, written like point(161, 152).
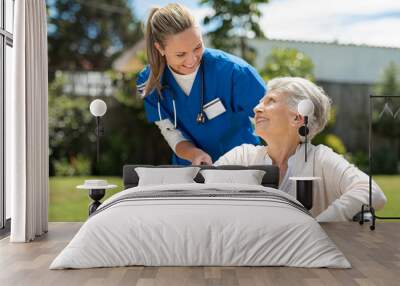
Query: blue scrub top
point(235, 82)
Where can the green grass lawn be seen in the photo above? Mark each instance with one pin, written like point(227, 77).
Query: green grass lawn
point(391, 187)
point(70, 204)
point(67, 203)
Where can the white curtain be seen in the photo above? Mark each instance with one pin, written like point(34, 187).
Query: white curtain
point(26, 124)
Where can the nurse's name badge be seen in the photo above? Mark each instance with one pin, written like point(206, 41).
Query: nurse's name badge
point(214, 108)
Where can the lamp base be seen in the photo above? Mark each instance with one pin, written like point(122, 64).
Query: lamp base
point(304, 190)
point(304, 193)
point(363, 217)
point(96, 195)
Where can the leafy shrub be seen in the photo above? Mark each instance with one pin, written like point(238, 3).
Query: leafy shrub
point(78, 166)
point(360, 159)
point(384, 160)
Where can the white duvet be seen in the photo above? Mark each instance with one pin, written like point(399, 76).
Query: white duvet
point(200, 231)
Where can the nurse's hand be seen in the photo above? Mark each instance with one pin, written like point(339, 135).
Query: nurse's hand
point(188, 151)
point(201, 158)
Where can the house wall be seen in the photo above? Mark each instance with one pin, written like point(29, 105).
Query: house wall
point(336, 62)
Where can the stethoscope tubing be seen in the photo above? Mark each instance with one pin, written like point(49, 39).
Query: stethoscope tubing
point(159, 111)
point(201, 113)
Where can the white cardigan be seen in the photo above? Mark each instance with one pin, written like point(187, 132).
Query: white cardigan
point(339, 194)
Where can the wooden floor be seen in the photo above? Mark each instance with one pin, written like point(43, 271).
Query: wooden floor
point(374, 255)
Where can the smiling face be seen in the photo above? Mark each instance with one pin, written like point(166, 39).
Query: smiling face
point(183, 51)
point(274, 119)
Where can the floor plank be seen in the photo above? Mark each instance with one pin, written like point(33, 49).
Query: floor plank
point(374, 255)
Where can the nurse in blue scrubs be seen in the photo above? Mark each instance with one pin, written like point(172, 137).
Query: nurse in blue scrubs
point(200, 98)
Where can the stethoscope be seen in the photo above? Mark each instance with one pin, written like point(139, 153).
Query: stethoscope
point(201, 117)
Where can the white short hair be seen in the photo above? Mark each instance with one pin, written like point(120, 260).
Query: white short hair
point(297, 89)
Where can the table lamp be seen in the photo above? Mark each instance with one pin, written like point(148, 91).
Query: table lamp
point(304, 185)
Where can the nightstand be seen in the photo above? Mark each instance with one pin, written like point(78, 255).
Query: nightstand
point(97, 190)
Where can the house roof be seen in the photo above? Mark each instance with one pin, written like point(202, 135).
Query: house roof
point(129, 61)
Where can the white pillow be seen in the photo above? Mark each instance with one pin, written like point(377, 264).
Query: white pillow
point(164, 176)
point(249, 177)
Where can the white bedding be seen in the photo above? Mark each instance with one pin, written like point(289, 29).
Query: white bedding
point(182, 231)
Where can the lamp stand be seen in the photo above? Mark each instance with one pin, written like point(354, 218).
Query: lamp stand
point(306, 133)
point(99, 133)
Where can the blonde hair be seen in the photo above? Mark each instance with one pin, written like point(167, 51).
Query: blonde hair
point(163, 22)
point(297, 89)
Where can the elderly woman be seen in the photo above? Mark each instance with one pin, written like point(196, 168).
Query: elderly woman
point(342, 189)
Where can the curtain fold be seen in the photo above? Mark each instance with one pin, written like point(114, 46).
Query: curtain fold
point(28, 124)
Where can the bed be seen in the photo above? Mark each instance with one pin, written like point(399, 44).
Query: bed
point(201, 224)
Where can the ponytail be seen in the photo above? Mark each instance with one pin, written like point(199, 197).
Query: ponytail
point(161, 23)
point(156, 60)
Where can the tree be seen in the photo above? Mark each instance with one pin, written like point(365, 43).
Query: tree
point(288, 62)
point(383, 118)
point(390, 81)
point(70, 126)
point(88, 35)
point(236, 22)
